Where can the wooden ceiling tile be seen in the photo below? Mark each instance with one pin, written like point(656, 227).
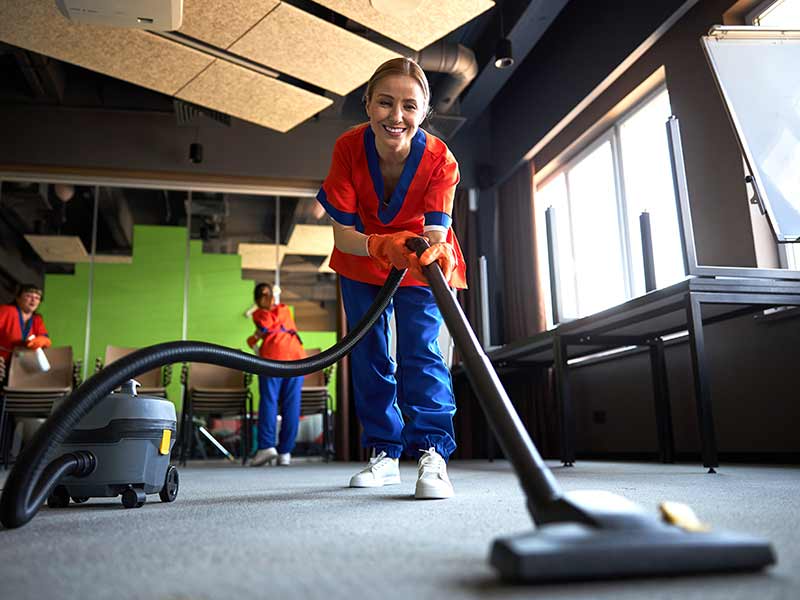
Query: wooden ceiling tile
point(222, 22)
point(132, 55)
point(257, 98)
point(306, 47)
point(58, 248)
point(432, 20)
point(260, 256)
point(311, 240)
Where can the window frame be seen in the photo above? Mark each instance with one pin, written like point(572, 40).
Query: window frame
point(611, 134)
point(760, 9)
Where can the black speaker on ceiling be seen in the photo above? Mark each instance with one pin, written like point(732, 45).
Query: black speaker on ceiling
point(196, 153)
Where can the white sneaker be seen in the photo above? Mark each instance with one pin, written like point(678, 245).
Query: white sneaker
point(380, 471)
point(284, 460)
point(264, 456)
point(432, 480)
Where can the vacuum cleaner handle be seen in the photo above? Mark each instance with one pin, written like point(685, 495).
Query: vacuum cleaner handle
point(536, 479)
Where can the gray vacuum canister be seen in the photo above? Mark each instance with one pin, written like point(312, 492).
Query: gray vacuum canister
point(131, 437)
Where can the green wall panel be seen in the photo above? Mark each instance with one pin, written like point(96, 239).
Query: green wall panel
point(141, 304)
point(218, 300)
point(64, 309)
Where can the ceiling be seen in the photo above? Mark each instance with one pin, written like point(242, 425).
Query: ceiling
point(264, 61)
point(270, 62)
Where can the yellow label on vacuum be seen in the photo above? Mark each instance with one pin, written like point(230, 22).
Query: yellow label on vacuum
point(165, 439)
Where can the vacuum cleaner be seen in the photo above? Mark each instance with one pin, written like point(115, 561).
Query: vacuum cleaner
point(130, 438)
point(577, 535)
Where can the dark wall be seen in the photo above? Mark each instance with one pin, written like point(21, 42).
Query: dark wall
point(751, 362)
point(720, 211)
point(149, 141)
point(753, 377)
point(587, 41)
point(152, 141)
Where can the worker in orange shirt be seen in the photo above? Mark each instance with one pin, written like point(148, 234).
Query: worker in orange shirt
point(277, 334)
point(20, 324)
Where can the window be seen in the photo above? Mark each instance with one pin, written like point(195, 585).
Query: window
point(780, 13)
point(777, 13)
point(598, 197)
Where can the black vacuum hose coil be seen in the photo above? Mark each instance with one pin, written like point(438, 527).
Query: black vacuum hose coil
point(32, 478)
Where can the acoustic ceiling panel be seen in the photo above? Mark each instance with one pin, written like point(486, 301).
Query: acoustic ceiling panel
point(311, 240)
point(431, 21)
point(69, 249)
point(260, 256)
point(222, 22)
point(133, 55)
point(306, 47)
point(58, 248)
point(248, 95)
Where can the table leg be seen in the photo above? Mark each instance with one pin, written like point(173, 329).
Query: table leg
point(564, 401)
point(658, 368)
point(702, 389)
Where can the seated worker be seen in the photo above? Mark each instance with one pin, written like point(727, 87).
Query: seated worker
point(20, 324)
point(276, 330)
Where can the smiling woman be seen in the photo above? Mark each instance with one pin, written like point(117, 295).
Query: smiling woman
point(391, 181)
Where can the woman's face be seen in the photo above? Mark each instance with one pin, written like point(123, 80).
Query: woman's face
point(265, 299)
point(396, 110)
point(29, 301)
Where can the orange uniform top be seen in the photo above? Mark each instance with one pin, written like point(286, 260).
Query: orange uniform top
point(14, 331)
point(280, 341)
point(353, 195)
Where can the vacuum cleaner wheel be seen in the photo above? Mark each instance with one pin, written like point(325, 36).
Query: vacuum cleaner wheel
point(133, 498)
point(169, 492)
point(59, 497)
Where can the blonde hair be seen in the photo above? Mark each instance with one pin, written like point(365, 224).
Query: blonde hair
point(400, 66)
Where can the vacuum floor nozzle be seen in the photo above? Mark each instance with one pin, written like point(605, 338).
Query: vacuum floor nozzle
point(578, 552)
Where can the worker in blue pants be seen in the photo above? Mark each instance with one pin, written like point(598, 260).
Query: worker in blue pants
point(417, 385)
point(276, 338)
point(391, 181)
point(288, 390)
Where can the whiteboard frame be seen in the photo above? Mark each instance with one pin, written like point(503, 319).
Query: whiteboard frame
point(724, 32)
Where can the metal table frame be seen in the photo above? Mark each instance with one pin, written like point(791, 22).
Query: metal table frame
point(689, 305)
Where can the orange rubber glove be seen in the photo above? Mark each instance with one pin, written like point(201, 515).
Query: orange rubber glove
point(444, 254)
point(389, 249)
point(252, 342)
point(40, 341)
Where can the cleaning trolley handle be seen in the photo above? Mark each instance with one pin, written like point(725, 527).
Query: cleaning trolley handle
point(536, 479)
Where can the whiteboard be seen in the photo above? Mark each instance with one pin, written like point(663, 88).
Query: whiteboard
point(758, 74)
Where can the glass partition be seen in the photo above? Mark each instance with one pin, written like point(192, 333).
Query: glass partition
point(139, 273)
point(128, 267)
point(46, 232)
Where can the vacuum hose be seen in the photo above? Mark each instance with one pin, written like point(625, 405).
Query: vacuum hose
point(32, 478)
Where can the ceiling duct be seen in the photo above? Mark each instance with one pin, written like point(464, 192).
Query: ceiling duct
point(458, 62)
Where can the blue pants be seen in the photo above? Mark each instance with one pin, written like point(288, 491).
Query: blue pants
point(275, 391)
point(417, 386)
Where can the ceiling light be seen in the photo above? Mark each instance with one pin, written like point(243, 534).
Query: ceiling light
point(503, 57)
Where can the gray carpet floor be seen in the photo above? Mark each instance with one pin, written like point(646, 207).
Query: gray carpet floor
point(298, 532)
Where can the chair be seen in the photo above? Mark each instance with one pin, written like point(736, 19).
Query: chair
point(214, 390)
point(315, 399)
point(153, 382)
point(31, 393)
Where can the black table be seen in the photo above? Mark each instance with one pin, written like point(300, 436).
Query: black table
point(643, 321)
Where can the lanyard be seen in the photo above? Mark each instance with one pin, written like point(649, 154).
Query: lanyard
point(24, 327)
